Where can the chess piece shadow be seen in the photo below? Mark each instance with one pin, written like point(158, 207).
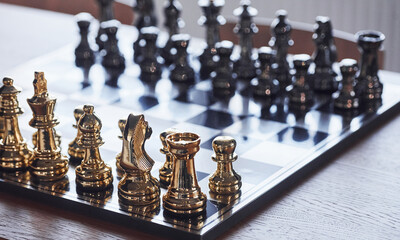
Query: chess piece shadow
point(16, 176)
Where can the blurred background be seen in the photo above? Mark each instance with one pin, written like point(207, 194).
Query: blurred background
point(347, 16)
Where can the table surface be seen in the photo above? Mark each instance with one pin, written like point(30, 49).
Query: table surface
point(354, 196)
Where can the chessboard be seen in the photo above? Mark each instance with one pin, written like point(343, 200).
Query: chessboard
point(275, 144)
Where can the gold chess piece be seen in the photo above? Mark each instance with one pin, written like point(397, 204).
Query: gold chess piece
point(225, 180)
point(74, 150)
point(57, 139)
point(184, 196)
point(166, 169)
point(92, 174)
point(121, 126)
point(14, 152)
point(137, 190)
point(48, 163)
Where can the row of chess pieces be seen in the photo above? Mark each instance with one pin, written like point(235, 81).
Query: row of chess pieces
point(138, 191)
point(269, 76)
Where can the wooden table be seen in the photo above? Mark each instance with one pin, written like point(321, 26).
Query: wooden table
point(354, 196)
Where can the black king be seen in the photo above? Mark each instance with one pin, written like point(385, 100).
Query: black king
point(47, 164)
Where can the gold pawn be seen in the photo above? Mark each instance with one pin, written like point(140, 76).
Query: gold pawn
point(74, 150)
point(138, 191)
point(166, 169)
point(225, 180)
point(14, 152)
point(92, 174)
point(184, 196)
point(121, 126)
point(48, 164)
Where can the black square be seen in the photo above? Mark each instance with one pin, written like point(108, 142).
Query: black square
point(213, 119)
point(300, 137)
point(201, 175)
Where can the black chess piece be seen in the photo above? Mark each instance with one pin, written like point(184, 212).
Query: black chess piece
point(244, 66)
point(105, 14)
point(346, 98)
point(224, 79)
point(301, 93)
point(212, 21)
point(324, 56)
point(113, 60)
point(84, 55)
point(181, 72)
point(144, 10)
point(280, 42)
point(150, 67)
point(173, 23)
point(265, 85)
point(368, 85)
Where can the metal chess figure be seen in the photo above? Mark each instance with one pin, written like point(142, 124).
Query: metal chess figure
point(74, 150)
point(265, 85)
point(137, 190)
point(368, 85)
point(184, 196)
point(301, 92)
point(149, 65)
point(121, 126)
point(224, 79)
point(212, 20)
point(324, 56)
point(48, 163)
point(92, 174)
point(106, 13)
point(246, 28)
point(181, 72)
point(113, 61)
point(166, 169)
point(347, 98)
point(280, 42)
point(224, 181)
point(173, 22)
point(14, 152)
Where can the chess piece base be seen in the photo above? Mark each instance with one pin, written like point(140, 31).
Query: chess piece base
point(93, 179)
point(49, 167)
point(225, 182)
point(14, 158)
point(138, 189)
point(175, 203)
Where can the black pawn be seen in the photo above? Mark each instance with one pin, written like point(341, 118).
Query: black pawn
point(113, 60)
point(244, 66)
point(84, 55)
point(105, 14)
point(347, 99)
point(224, 80)
point(144, 10)
point(212, 21)
point(150, 67)
point(265, 85)
point(301, 93)
point(324, 56)
point(368, 85)
point(181, 72)
point(280, 42)
point(173, 23)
